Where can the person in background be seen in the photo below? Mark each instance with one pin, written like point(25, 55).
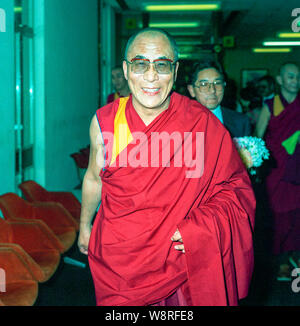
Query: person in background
point(251, 103)
point(279, 124)
point(207, 86)
point(168, 232)
point(230, 98)
point(265, 87)
point(119, 83)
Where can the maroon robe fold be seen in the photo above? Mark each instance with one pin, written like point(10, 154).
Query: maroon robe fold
point(131, 255)
point(283, 192)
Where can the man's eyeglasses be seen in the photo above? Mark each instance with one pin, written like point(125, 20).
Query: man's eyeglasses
point(162, 66)
point(205, 85)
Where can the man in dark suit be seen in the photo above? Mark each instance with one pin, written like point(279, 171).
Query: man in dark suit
point(207, 86)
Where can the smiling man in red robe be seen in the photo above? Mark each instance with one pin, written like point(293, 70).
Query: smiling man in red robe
point(177, 209)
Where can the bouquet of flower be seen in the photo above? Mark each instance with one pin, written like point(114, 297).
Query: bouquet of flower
point(252, 151)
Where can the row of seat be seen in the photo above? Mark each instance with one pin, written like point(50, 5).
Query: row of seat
point(34, 233)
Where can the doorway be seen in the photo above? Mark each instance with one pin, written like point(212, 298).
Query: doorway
point(24, 92)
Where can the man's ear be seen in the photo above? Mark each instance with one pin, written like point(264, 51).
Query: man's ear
point(279, 80)
point(175, 71)
point(125, 69)
point(191, 90)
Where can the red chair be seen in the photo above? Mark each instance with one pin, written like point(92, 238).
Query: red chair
point(54, 215)
point(81, 160)
point(33, 245)
point(33, 192)
point(20, 288)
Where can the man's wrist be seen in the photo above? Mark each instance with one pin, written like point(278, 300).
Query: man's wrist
point(84, 225)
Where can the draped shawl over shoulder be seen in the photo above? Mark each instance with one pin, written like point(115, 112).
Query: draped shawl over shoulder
point(208, 197)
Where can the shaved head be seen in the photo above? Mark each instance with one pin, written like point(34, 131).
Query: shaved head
point(287, 66)
point(152, 32)
point(289, 80)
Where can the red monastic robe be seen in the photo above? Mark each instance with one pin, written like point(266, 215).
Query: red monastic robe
point(282, 188)
point(209, 198)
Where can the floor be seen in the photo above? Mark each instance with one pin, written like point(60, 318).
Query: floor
point(70, 285)
point(73, 286)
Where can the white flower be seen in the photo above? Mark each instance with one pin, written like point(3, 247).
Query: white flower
point(256, 147)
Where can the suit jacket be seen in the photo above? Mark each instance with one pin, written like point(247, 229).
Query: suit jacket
point(238, 124)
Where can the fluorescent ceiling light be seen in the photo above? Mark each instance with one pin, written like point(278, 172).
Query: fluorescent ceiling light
point(271, 50)
point(175, 25)
point(187, 32)
point(282, 43)
point(193, 56)
point(184, 55)
point(288, 35)
point(191, 42)
point(191, 7)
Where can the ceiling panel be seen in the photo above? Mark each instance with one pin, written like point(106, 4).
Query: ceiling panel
point(249, 21)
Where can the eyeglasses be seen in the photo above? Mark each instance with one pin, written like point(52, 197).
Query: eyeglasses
point(162, 66)
point(205, 85)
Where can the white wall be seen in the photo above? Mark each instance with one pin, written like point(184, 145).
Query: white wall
point(71, 85)
point(7, 104)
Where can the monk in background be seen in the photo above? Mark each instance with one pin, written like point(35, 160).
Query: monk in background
point(279, 123)
point(119, 83)
point(175, 223)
